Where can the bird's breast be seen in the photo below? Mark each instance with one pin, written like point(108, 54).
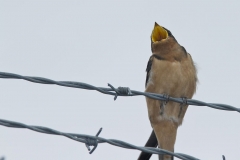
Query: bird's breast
point(176, 78)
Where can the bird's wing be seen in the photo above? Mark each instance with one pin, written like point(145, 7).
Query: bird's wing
point(149, 66)
point(148, 69)
point(152, 140)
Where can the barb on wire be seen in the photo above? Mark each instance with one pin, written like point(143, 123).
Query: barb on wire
point(95, 139)
point(2, 158)
point(120, 91)
point(223, 157)
point(92, 142)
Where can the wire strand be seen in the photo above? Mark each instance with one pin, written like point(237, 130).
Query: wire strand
point(120, 91)
point(87, 138)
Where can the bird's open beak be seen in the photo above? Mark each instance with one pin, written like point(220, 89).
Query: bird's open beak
point(158, 33)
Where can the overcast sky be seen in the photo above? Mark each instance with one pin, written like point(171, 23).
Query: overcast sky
point(100, 42)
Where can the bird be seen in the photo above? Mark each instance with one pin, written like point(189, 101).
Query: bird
point(172, 73)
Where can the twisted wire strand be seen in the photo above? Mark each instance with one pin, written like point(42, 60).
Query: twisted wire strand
point(85, 139)
point(120, 91)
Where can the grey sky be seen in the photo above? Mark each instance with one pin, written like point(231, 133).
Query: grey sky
point(100, 42)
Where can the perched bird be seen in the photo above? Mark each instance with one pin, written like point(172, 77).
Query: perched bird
point(171, 72)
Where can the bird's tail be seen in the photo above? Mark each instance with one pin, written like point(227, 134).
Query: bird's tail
point(152, 142)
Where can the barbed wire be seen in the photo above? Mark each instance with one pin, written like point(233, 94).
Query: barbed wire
point(94, 140)
point(120, 91)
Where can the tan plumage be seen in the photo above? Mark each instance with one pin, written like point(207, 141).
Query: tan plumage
point(170, 71)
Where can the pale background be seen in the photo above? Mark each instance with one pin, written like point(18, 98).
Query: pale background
point(100, 42)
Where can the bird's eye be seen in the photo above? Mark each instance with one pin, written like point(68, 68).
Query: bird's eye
point(158, 33)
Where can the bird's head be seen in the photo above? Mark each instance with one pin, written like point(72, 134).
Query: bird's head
point(162, 40)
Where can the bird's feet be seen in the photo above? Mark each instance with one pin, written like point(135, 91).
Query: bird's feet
point(184, 103)
point(163, 103)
